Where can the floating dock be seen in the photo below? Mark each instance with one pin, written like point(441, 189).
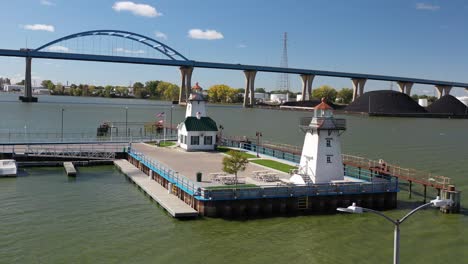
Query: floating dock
point(173, 205)
point(69, 169)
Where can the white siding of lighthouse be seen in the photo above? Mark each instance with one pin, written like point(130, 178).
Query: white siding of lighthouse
point(322, 161)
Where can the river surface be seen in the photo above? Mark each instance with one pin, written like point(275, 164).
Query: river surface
point(101, 218)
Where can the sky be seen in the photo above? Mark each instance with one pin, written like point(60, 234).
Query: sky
point(420, 39)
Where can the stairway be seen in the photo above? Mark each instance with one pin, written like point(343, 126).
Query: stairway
point(302, 203)
point(306, 179)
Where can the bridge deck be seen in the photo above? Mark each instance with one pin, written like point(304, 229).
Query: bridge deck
point(173, 205)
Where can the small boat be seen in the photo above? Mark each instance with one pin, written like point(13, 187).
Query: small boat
point(8, 168)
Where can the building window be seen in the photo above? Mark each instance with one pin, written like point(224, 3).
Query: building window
point(194, 140)
point(329, 157)
point(208, 140)
point(185, 140)
point(328, 142)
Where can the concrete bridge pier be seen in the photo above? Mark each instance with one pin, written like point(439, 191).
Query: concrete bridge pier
point(28, 98)
point(443, 90)
point(307, 86)
point(405, 87)
point(186, 74)
point(249, 95)
point(358, 87)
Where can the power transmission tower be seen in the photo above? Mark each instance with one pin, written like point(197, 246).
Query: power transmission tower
point(283, 78)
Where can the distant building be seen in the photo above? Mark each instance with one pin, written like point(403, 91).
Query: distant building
point(278, 98)
point(198, 131)
point(13, 88)
point(40, 90)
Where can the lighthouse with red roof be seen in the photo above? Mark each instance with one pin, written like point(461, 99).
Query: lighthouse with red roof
point(321, 160)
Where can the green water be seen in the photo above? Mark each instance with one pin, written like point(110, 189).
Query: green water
point(101, 218)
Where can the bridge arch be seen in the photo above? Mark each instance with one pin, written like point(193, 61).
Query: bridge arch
point(150, 42)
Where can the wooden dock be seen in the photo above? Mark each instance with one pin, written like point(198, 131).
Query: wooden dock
point(173, 205)
point(69, 169)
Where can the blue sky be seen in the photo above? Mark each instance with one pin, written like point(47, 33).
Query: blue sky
point(424, 39)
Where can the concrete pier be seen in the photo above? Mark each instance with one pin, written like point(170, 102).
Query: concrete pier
point(69, 169)
point(358, 87)
point(249, 88)
point(307, 86)
point(186, 85)
point(173, 205)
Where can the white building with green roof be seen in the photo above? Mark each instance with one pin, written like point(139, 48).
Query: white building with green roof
point(197, 131)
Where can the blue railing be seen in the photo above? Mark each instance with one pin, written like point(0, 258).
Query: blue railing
point(170, 175)
point(265, 150)
point(272, 191)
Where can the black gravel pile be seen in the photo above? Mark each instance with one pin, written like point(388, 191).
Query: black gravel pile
point(448, 104)
point(312, 103)
point(386, 102)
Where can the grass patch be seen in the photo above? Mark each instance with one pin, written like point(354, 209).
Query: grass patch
point(274, 165)
point(163, 143)
point(166, 144)
point(239, 186)
point(244, 154)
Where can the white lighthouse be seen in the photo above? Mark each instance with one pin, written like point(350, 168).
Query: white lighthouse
point(197, 131)
point(321, 160)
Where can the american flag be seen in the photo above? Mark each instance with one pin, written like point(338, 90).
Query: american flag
point(160, 114)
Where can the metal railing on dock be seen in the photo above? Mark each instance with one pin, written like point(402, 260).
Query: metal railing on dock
point(167, 173)
point(293, 154)
point(382, 167)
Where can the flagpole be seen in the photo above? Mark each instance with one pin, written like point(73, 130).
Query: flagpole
point(164, 127)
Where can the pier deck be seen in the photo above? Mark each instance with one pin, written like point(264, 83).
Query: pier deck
point(69, 169)
point(188, 163)
point(173, 205)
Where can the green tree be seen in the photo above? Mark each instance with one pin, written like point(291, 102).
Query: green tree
point(234, 162)
point(345, 95)
point(108, 90)
point(325, 91)
point(47, 84)
point(171, 93)
point(138, 88)
point(152, 88)
point(20, 83)
point(260, 90)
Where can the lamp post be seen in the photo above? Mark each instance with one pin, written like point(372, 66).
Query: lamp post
point(126, 121)
point(258, 134)
point(221, 128)
point(396, 240)
point(172, 107)
point(61, 131)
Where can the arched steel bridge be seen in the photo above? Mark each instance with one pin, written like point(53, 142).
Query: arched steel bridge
point(174, 58)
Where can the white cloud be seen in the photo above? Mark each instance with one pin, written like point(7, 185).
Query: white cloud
point(242, 46)
point(47, 3)
point(160, 35)
point(424, 6)
point(41, 27)
point(209, 34)
point(59, 48)
point(129, 51)
point(136, 9)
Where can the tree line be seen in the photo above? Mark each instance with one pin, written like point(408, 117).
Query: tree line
point(158, 90)
point(161, 90)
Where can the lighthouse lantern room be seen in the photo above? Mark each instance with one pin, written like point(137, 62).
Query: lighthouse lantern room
point(321, 160)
